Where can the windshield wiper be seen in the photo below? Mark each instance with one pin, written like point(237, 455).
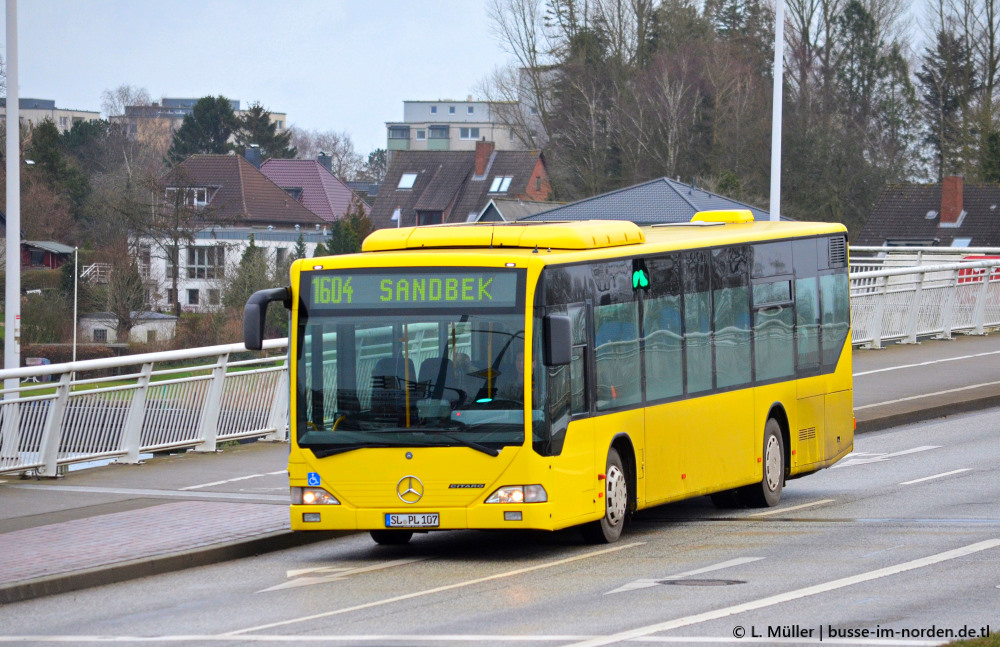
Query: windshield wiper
point(461, 441)
point(330, 451)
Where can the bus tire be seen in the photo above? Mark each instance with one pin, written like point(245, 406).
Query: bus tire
point(608, 529)
point(391, 537)
point(767, 493)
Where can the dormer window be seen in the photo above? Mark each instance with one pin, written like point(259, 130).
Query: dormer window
point(194, 196)
point(407, 180)
point(500, 184)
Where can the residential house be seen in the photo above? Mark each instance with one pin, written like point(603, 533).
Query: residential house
point(654, 202)
point(313, 185)
point(44, 254)
point(367, 191)
point(101, 328)
point(34, 111)
point(447, 125)
point(433, 187)
point(949, 214)
point(237, 201)
point(169, 113)
point(511, 209)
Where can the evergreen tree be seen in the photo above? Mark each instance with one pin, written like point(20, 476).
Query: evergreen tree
point(300, 247)
point(347, 234)
point(206, 130)
point(51, 164)
point(256, 127)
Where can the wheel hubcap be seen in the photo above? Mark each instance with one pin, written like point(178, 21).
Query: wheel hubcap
point(772, 463)
point(617, 495)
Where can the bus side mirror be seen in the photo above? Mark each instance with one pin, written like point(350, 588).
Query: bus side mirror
point(255, 312)
point(558, 336)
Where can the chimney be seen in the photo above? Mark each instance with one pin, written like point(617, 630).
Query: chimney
point(253, 154)
point(951, 200)
point(325, 160)
point(483, 151)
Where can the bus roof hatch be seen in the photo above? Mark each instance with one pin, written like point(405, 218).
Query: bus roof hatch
point(584, 234)
point(732, 216)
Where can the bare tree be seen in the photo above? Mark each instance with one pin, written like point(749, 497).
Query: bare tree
point(114, 101)
point(346, 162)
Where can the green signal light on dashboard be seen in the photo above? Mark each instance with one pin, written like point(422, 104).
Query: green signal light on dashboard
point(640, 280)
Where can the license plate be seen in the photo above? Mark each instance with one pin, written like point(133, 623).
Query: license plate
point(425, 520)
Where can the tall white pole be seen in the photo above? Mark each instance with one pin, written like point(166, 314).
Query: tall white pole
point(12, 320)
point(76, 282)
point(779, 72)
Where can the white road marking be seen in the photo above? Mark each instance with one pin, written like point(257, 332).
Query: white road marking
point(646, 583)
point(239, 478)
point(794, 507)
point(790, 595)
point(158, 494)
point(439, 589)
point(936, 476)
point(461, 639)
point(926, 395)
point(928, 363)
point(864, 459)
point(334, 574)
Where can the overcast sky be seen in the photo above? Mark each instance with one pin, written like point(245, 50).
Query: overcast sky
point(329, 64)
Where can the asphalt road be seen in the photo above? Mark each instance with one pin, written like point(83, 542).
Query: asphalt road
point(902, 535)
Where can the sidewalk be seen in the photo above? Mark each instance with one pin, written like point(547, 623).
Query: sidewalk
point(118, 522)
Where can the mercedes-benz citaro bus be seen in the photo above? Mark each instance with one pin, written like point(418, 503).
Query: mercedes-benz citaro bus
point(552, 374)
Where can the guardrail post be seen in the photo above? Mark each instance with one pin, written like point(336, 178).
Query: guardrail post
point(11, 432)
point(278, 419)
point(132, 438)
point(208, 427)
point(980, 312)
point(914, 314)
point(48, 449)
point(876, 341)
point(948, 309)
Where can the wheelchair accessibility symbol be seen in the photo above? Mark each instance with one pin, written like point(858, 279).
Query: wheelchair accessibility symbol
point(313, 479)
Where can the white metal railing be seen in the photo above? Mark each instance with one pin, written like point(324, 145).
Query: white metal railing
point(87, 414)
point(904, 303)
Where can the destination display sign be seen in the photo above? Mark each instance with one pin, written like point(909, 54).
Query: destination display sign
point(413, 289)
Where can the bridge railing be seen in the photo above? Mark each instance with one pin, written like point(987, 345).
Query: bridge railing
point(92, 411)
point(904, 303)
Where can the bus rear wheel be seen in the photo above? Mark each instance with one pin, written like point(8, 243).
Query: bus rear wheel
point(767, 493)
point(391, 537)
point(609, 528)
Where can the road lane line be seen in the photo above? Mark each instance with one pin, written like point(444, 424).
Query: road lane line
point(438, 589)
point(646, 582)
point(794, 507)
point(926, 395)
point(936, 476)
point(239, 478)
point(781, 598)
point(879, 457)
point(928, 363)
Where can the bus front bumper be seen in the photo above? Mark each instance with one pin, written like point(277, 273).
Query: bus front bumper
point(536, 516)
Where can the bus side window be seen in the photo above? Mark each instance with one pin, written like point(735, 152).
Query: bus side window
point(697, 321)
point(836, 315)
point(731, 301)
point(616, 347)
point(663, 330)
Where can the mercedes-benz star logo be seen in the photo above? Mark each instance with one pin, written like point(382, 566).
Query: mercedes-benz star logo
point(409, 489)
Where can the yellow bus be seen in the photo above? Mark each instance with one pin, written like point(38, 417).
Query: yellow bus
point(547, 375)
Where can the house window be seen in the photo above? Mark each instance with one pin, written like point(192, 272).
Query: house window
point(428, 218)
point(500, 184)
point(406, 181)
point(511, 134)
point(214, 297)
point(194, 197)
point(280, 255)
point(193, 297)
point(438, 132)
point(434, 110)
point(150, 336)
point(37, 257)
point(538, 183)
point(145, 261)
point(471, 110)
point(451, 110)
point(279, 124)
point(961, 242)
point(63, 122)
point(206, 262)
point(101, 335)
point(468, 133)
point(399, 132)
point(421, 134)
point(171, 297)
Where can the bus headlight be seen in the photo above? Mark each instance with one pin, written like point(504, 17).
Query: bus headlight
point(519, 494)
point(312, 496)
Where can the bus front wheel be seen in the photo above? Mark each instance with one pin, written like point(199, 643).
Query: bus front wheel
point(609, 528)
point(391, 537)
point(767, 493)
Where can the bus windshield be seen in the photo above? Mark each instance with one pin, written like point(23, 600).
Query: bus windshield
point(409, 374)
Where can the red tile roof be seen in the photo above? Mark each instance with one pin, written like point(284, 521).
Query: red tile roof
point(322, 193)
point(239, 193)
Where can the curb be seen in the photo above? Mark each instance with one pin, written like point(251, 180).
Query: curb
point(928, 413)
point(134, 569)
